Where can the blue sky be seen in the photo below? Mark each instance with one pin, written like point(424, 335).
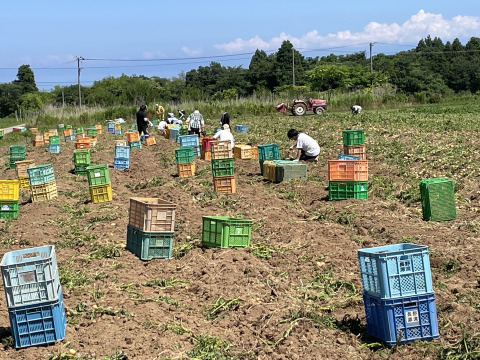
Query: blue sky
point(163, 38)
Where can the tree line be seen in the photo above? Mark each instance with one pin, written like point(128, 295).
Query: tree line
point(431, 71)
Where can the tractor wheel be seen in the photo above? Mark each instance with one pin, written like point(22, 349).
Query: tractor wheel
point(319, 110)
point(299, 109)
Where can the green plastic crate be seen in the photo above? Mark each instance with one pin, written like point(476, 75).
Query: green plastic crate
point(92, 131)
point(222, 167)
point(353, 137)
point(154, 122)
point(135, 145)
point(81, 156)
point(17, 152)
point(81, 169)
point(342, 190)
point(68, 127)
point(226, 232)
point(184, 155)
point(147, 245)
point(54, 140)
point(268, 152)
point(438, 199)
point(79, 130)
point(98, 175)
point(8, 209)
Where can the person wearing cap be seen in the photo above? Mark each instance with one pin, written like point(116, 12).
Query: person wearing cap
point(195, 123)
point(171, 119)
point(307, 147)
point(160, 112)
point(225, 134)
point(142, 120)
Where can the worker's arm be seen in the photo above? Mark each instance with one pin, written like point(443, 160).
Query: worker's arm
point(299, 153)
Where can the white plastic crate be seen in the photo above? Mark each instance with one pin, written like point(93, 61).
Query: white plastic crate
point(30, 276)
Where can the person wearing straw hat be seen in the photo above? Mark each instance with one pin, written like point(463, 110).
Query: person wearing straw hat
point(225, 134)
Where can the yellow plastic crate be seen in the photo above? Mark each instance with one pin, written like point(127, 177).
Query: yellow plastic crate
point(9, 189)
point(24, 183)
point(243, 151)
point(269, 170)
point(21, 167)
point(99, 128)
point(186, 169)
point(150, 141)
point(43, 192)
point(101, 193)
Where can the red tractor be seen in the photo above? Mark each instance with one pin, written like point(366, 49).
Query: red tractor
point(300, 107)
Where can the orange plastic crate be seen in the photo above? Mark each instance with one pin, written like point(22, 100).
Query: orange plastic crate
point(99, 128)
point(82, 145)
point(206, 155)
point(225, 184)
point(38, 143)
point(33, 130)
point(355, 150)
point(186, 169)
point(133, 136)
point(150, 141)
point(68, 132)
point(354, 170)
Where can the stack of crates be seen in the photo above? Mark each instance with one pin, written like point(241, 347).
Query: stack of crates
point(267, 152)
point(438, 199)
point(206, 153)
point(122, 157)
point(348, 175)
point(34, 296)
point(22, 174)
point(68, 133)
point(244, 151)
point(185, 159)
point(92, 133)
point(150, 228)
point(117, 128)
point(99, 183)
point(9, 193)
point(398, 294)
point(133, 139)
point(111, 127)
point(222, 167)
point(42, 182)
point(17, 153)
point(190, 141)
point(37, 140)
point(54, 144)
point(226, 232)
point(81, 160)
point(284, 170)
point(99, 128)
point(354, 143)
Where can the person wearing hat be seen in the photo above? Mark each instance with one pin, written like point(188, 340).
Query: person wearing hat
point(195, 123)
point(171, 119)
point(142, 120)
point(160, 112)
point(225, 134)
point(162, 125)
point(307, 147)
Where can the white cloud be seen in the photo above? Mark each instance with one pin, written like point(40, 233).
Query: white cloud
point(411, 31)
point(191, 52)
point(153, 54)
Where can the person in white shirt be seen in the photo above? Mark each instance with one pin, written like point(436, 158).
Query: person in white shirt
point(225, 134)
point(356, 109)
point(307, 147)
point(162, 125)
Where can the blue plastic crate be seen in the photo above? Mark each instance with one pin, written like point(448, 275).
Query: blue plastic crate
point(30, 276)
point(404, 319)
point(241, 128)
point(348, 157)
point(121, 163)
point(69, 138)
point(395, 270)
point(38, 324)
point(174, 133)
point(55, 149)
point(188, 140)
point(196, 151)
point(122, 152)
point(40, 174)
point(148, 245)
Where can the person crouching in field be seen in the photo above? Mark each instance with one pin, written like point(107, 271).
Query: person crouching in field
point(356, 109)
point(307, 147)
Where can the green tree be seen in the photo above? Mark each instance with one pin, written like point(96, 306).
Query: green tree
point(31, 101)
point(26, 79)
point(260, 71)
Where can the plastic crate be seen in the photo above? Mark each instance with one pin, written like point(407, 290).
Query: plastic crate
point(222, 167)
point(17, 152)
point(395, 270)
point(8, 209)
point(68, 132)
point(225, 184)
point(79, 130)
point(226, 232)
point(284, 170)
point(353, 137)
point(152, 214)
point(133, 136)
point(121, 163)
point(184, 155)
point(68, 127)
point(355, 150)
point(188, 140)
point(147, 245)
point(98, 175)
point(99, 128)
point(81, 169)
point(186, 169)
point(81, 156)
point(343, 190)
point(135, 145)
point(242, 151)
point(101, 193)
point(118, 132)
point(21, 167)
point(348, 157)
point(40, 174)
point(38, 324)
point(82, 145)
point(241, 128)
point(24, 183)
point(30, 276)
point(9, 189)
point(353, 170)
point(44, 192)
point(69, 138)
point(221, 149)
point(122, 151)
point(54, 140)
point(402, 320)
point(174, 133)
point(54, 149)
point(111, 127)
point(268, 152)
point(438, 199)
point(150, 141)
point(206, 143)
point(206, 155)
point(92, 131)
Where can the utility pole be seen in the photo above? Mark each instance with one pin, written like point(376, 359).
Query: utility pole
point(293, 66)
point(79, 88)
point(371, 59)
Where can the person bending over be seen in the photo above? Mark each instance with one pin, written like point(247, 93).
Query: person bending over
point(307, 147)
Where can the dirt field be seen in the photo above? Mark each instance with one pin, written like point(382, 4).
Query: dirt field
point(294, 294)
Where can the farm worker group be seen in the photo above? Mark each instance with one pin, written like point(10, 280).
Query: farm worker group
point(307, 147)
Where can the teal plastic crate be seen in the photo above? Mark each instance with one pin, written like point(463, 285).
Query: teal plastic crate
point(353, 137)
point(222, 167)
point(226, 232)
point(40, 174)
point(148, 246)
point(287, 170)
point(438, 199)
point(8, 209)
point(17, 152)
point(268, 152)
point(184, 155)
point(342, 190)
point(98, 175)
point(397, 270)
point(81, 156)
point(188, 140)
point(135, 145)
